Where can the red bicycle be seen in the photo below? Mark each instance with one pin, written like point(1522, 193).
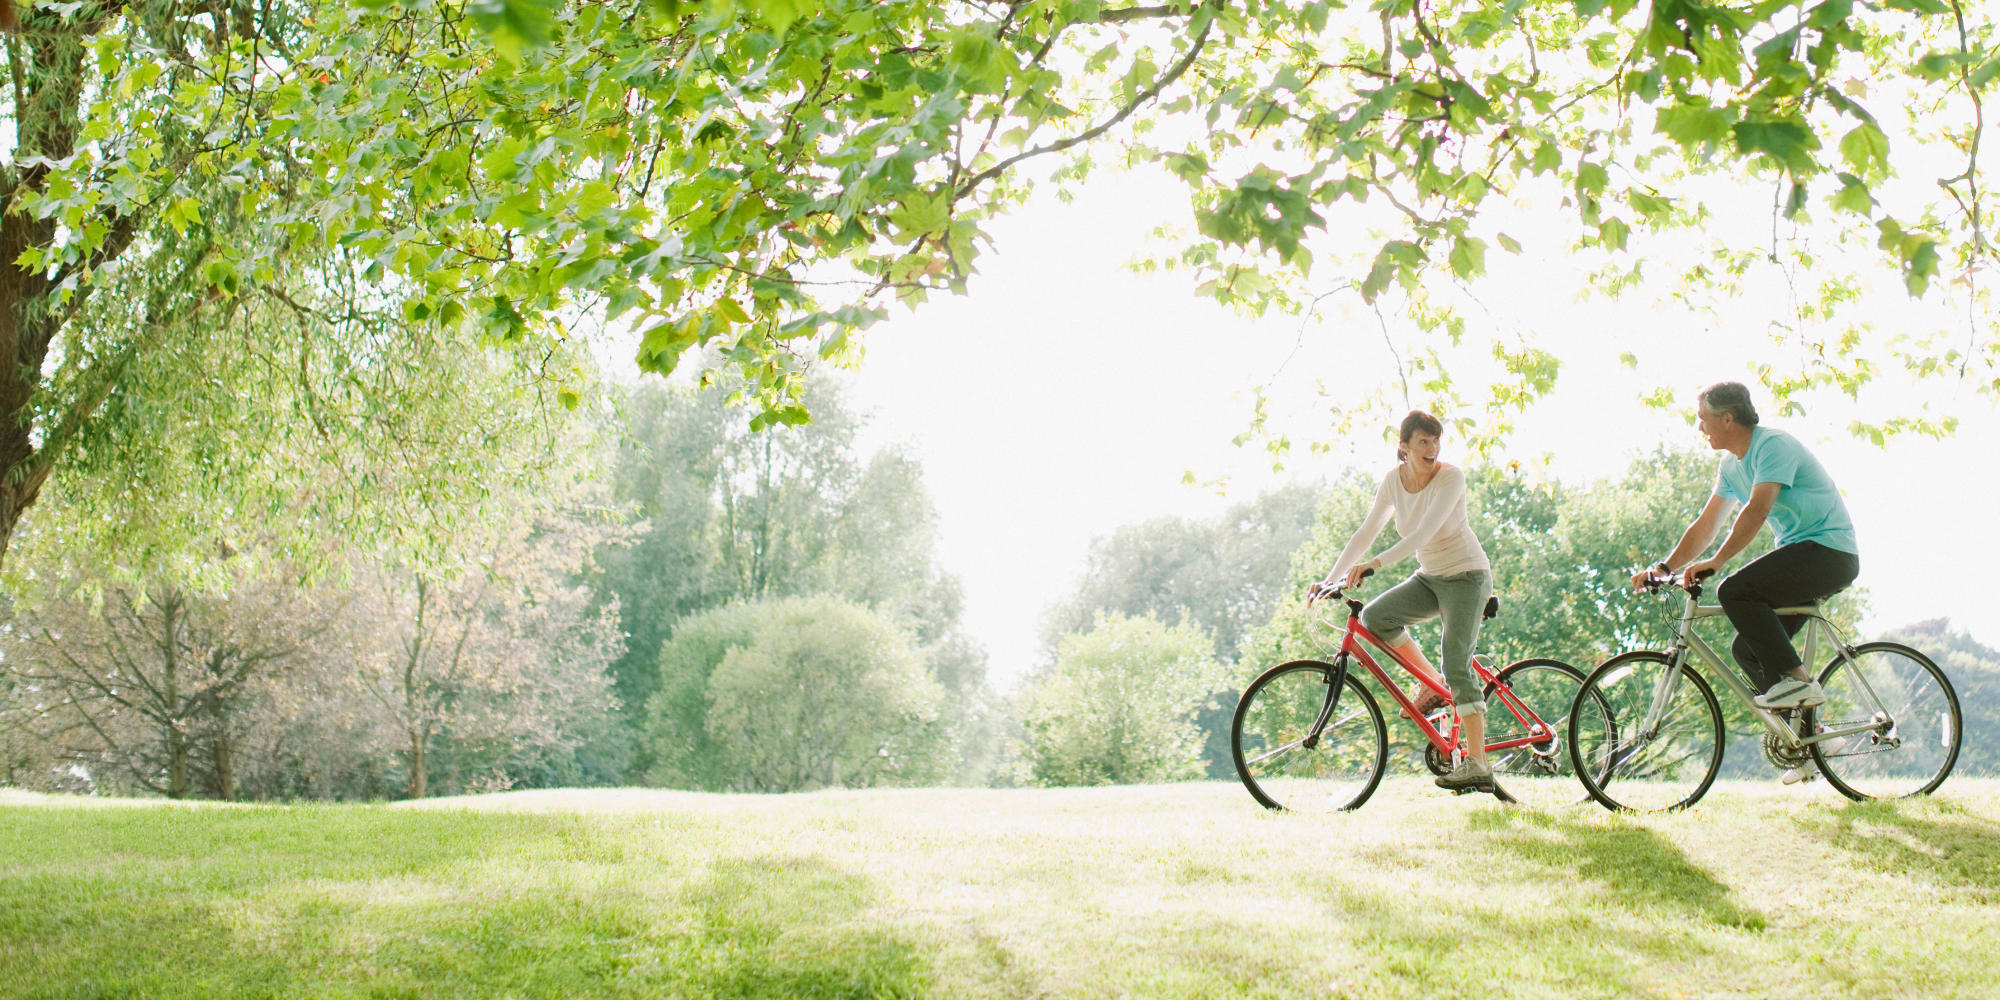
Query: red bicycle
point(1309, 737)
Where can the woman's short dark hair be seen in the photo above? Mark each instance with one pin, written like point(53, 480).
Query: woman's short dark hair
point(1418, 420)
point(1731, 398)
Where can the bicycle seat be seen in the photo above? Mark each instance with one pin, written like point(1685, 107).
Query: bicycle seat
point(1492, 607)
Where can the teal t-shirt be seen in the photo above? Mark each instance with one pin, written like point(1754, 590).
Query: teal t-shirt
point(1808, 508)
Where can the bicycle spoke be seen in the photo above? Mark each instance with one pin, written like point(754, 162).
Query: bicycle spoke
point(1286, 762)
point(1908, 758)
point(1668, 767)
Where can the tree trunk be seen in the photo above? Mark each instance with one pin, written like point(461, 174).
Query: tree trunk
point(177, 762)
point(225, 767)
point(419, 776)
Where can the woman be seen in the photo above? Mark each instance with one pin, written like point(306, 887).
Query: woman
point(1453, 579)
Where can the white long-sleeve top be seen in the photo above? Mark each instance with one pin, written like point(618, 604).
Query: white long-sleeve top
point(1432, 522)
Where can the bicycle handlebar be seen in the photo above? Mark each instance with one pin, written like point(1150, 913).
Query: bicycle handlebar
point(1314, 592)
point(1657, 580)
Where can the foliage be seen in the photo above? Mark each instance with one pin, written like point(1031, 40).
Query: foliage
point(155, 688)
point(379, 680)
point(795, 693)
point(725, 514)
point(496, 668)
point(1120, 705)
point(1222, 576)
point(763, 178)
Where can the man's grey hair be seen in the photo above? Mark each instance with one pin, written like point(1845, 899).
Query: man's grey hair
point(1731, 398)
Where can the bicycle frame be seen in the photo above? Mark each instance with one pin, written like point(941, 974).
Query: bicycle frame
point(1686, 641)
point(1354, 642)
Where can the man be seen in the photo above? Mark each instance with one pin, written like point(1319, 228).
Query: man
point(1774, 478)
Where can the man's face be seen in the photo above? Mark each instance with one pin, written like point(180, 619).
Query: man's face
point(1714, 426)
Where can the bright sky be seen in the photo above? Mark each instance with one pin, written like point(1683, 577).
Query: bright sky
point(1065, 396)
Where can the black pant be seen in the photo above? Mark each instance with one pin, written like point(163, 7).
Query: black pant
point(1799, 573)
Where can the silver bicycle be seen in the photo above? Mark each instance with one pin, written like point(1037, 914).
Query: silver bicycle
point(1646, 731)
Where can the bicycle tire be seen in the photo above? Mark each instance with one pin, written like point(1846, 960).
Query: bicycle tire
point(1861, 767)
point(1541, 776)
point(1343, 765)
point(1621, 772)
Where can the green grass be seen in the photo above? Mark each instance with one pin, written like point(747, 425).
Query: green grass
point(1172, 891)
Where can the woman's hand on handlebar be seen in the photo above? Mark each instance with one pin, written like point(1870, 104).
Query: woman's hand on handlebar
point(1358, 573)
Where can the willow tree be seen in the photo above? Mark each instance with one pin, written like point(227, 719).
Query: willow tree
point(766, 178)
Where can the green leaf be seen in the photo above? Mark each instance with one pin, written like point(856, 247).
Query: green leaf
point(1547, 158)
point(1790, 143)
point(513, 25)
point(1591, 178)
point(1612, 233)
point(1468, 257)
point(1853, 196)
point(1923, 266)
point(780, 14)
point(1509, 243)
point(1796, 201)
point(1985, 73)
point(1866, 149)
point(568, 398)
point(1696, 124)
point(733, 312)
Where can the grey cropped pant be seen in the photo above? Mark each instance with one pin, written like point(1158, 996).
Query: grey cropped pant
point(1461, 599)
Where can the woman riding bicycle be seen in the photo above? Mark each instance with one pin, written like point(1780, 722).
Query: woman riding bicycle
point(1454, 578)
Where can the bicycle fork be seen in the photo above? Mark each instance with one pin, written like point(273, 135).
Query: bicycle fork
point(1336, 680)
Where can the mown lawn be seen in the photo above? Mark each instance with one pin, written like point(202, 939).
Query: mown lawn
point(1173, 891)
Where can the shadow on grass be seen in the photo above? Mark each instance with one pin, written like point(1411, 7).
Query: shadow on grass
point(1636, 868)
point(1954, 849)
point(1582, 910)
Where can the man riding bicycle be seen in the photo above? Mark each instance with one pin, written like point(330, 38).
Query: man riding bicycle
point(1774, 478)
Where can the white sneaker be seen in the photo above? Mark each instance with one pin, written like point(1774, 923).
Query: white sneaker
point(1792, 693)
point(1803, 772)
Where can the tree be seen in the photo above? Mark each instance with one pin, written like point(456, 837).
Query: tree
point(1120, 705)
point(726, 514)
point(500, 666)
point(1222, 575)
point(154, 684)
point(796, 693)
point(762, 177)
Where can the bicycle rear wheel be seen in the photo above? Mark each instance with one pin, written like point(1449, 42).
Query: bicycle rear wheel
point(1909, 697)
point(1287, 764)
point(1537, 772)
point(1624, 762)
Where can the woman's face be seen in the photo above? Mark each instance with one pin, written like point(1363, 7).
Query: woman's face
point(1423, 448)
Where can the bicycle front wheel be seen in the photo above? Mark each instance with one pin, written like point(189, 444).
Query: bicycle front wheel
point(1286, 762)
point(1644, 736)
point(1913, 708)
point(1527, 731)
